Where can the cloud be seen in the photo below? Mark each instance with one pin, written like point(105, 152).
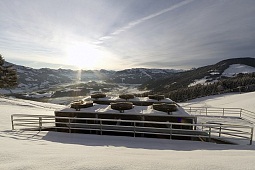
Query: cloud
point(144, 33)
point(141, 20)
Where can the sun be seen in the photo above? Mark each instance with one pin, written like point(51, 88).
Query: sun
point(84, 56)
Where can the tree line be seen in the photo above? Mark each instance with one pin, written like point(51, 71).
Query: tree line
point(240, 83)
point(8, 75)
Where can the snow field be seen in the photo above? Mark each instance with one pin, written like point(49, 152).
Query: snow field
point(53, 150)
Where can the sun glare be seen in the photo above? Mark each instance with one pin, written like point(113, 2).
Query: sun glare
point(84, 56)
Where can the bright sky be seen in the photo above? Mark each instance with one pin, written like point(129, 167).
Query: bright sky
point(114, 34)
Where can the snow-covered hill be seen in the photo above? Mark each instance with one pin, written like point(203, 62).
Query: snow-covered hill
point(203, 75)
point(54, 150)
point(235, 69)
point(141, 75)
point(232, 71)
point(230, 100)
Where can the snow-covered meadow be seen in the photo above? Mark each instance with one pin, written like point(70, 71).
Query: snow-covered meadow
point(54, 150)
point(232, 71)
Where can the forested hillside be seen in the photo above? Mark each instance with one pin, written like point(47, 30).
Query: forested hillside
point(178, 86)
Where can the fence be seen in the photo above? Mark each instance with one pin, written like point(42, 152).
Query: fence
point(214, 111)
point(207, 131)
point(248, 115)
point(223, 112)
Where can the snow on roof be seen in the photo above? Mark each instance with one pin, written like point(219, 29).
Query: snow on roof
point(139, 110)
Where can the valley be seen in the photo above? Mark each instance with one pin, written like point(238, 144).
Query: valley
point(63, 86)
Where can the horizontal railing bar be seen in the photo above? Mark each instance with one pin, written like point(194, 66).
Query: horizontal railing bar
point(27, 115)
point(25, 119)
point(229, 134)
point(77, 128)
point(218, 110)
point(36, 123)
point(248, 111)
point(195, 107)
point(21, 124)
point(223, 132)
point(226, 125)
point(248, 116)
point(32, 129)
point(31, 120)
point(238, 133)
point(234, 130)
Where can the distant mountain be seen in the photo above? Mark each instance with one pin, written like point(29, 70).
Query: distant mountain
point(157, 80)
point(30, 79)
point(141, 75)
point(202, 75)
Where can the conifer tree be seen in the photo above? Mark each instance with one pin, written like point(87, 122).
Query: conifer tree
point(8, 76)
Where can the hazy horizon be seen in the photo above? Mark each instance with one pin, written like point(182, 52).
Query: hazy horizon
point(115, 35)
point(84, 69)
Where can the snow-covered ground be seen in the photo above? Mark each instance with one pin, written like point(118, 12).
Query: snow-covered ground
point(234, 69)
point(54, 150)
point(234, 100)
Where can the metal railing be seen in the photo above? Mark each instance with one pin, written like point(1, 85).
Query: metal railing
point(214, 111)
point(207, 131)
point(223, 112)
point(248, 115)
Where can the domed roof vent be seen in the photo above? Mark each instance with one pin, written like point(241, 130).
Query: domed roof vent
point(98, 95)
point(121, 106)
point(157, 97)
point(164, 107)
point(126, 96)
point(77, 105)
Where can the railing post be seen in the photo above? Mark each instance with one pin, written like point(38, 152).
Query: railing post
point(40, 123)
point(12, 122)
point(134, 128)
point(220, 131)
point(241, 112)
point(190, 110)
point(223, 112)
point(195, 127)
point(69, 121)
point(101, 127)
point(251, 135)
point(206, 111)
point(210, 129)
point(171, 128)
